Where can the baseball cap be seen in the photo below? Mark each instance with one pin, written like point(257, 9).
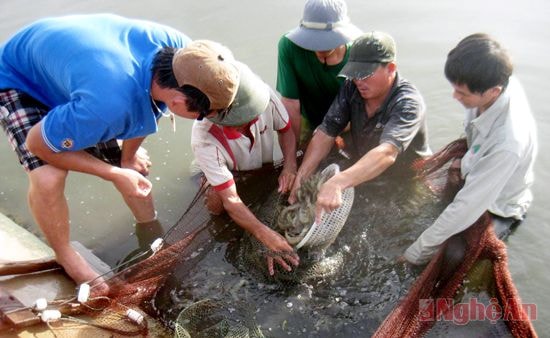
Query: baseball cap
point(209, 67)
point(325, 25)
point(367, 52)
point(251, 100)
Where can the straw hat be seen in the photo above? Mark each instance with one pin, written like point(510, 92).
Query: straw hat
point(209, 67)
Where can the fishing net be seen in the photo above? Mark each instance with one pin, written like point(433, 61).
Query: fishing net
point(210, 278)
point(133, 285)
point(209, 318)
point(219, 318)
point(417, 313)
point(297, 223)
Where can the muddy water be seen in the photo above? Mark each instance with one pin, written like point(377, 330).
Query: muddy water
point(424, 32)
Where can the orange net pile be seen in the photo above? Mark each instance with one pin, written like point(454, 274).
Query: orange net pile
point(138, 282)
point(417, 312)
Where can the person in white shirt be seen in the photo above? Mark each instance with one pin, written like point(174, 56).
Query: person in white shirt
point(242, 138)
point(502, 145)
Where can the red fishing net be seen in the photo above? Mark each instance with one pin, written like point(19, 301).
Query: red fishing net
point(417, 313)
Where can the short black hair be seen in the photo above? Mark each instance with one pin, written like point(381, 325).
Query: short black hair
point(164, 76)
point(479, 62)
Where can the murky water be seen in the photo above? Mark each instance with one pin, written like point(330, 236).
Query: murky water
point(348, 294)
point(424, 31)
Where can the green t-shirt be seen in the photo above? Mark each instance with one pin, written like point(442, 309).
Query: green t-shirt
point(301, 76)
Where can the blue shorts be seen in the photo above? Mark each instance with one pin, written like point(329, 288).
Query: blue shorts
point(19, 112)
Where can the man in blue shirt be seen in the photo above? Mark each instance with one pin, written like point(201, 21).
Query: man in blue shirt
point(72, 87)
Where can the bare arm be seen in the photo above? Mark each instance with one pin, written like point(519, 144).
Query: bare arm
point(318, 148)
point(287, 141)
point(129, 182)
point(134, 156)
point(276, 243)
point(292, 106)
point(371, 165)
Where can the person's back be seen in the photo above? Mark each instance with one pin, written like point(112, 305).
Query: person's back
point(54, 57)
point(72, 64)
point(71, 89)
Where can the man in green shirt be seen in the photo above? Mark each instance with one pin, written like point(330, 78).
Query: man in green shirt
point(310, 58)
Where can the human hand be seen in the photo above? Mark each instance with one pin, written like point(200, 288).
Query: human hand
point(286, 180)
point(131, 183)
point(454, 176)
point(328, 198)
point(280, 251)
point(295, 186)
point(140, 162)
point(401, 259)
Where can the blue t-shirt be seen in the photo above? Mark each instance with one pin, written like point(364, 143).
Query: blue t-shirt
point(92, 71)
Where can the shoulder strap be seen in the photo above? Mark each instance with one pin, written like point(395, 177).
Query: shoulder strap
point(217, 132)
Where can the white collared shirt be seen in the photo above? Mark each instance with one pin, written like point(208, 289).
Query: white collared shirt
point(244, 153)
point(498, 170)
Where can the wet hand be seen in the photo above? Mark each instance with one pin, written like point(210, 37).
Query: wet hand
point(401, 259)
point(286, 180)
point(140, 162)
point(295, 186)
point(281, 258)
point(280, 251)
point(328, 199)
point(131, 183)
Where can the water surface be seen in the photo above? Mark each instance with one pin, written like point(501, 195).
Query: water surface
point(424, 31)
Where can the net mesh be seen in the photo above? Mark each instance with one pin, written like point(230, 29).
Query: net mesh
point(414, 315)
point(209, 318)
point(215, 318)
point(137, 283)
point(315, 263)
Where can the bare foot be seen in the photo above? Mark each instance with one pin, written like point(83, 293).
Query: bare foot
point(80, 271)
point(99, 288)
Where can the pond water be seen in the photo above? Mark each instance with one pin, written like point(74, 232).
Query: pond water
point(424, 31)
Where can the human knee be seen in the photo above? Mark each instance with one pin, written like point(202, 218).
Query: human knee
point(47, 180)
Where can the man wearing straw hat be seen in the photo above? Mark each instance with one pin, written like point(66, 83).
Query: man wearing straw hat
point(309, 60)
point(387, 118)
point(240, 138)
